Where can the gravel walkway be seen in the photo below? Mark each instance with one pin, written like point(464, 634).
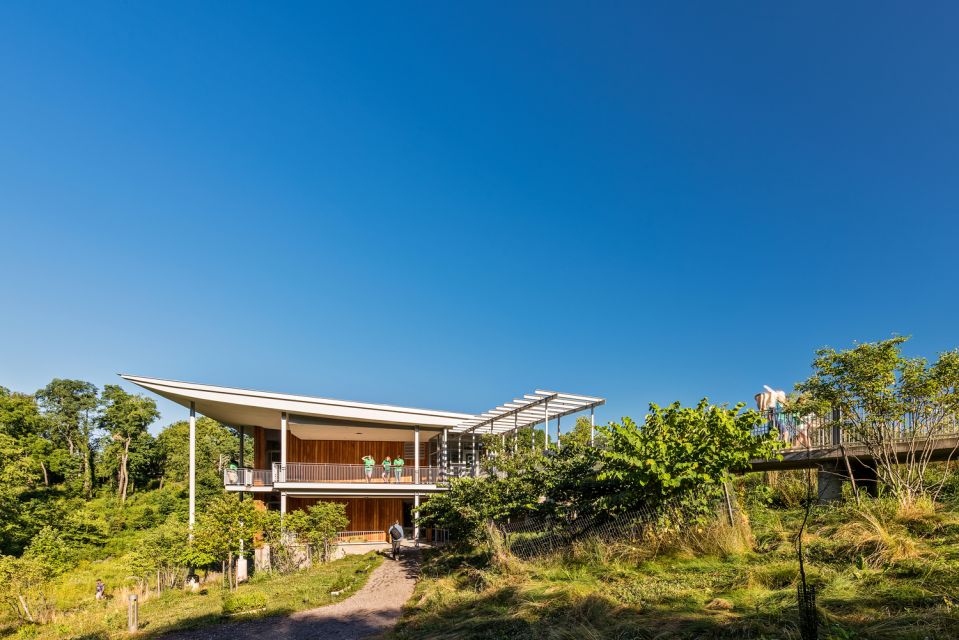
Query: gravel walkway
point(371, 610)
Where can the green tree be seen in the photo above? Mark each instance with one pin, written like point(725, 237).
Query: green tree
point(220, 528)
point(216, 446)
point(71, 406)
point(318, 524)
point(679, 452)
point(895, 406)
point(126, 418)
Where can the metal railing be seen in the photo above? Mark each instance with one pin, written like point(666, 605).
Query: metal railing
point(248, 477)
point(359, 537)
point(355, 473)
point(811, 431)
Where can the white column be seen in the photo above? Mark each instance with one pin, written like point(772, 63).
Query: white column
point(559, 432)
point(445, 454)
point(473, 451)
point(592, 425)
point(546, 426)
point(282, 505)
point(416, 518)
point(192, 516)
point(283, 447)
point(416, 456)
point(242, 443)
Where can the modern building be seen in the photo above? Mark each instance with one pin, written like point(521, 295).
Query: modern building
point(307, 449)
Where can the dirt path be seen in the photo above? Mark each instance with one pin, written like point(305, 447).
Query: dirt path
point(372, 609)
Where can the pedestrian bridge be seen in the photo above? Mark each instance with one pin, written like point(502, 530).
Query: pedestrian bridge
point(828, 443)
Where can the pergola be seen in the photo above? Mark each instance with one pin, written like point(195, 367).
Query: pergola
point(532, 409)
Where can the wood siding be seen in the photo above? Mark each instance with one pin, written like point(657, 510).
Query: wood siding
point(364, 514)
point(332, 451)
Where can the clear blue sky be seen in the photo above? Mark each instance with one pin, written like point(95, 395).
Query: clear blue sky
point(446, 205)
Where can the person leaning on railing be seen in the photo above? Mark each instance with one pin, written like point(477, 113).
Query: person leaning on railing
point(398, 463)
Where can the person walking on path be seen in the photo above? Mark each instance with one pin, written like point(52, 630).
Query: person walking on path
point(398, 463)
point(387, 464)
point(368, 462)
point(396, 536)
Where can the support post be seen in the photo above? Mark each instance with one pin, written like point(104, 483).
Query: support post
point(192, 514)
point(445, 454)
point(546, 426)
point(242, 446)
point(416, 518)
point(283, 420)
point(416, 455)
point(592, 426)
point(282, 506)
point(559, 432)
point(132, 622)
point(473, 454)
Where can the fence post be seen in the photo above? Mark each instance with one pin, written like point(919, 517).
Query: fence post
point(836, 431)
point(132, 614)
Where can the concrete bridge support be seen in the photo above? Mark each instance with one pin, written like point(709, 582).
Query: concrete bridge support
point(833, 475)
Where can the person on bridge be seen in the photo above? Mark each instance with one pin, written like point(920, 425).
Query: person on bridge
point(387, 465)
point(368, 462)
point(398, 463)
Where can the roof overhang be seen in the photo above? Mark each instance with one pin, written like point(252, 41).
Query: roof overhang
point(245, 407)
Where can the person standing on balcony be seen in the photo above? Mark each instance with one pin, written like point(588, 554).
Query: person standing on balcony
point(368, 463)
point(387, 464)
point(398, 463)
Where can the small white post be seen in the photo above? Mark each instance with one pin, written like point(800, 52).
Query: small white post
point(192, 514)
point(132, 622)
point(282, 506)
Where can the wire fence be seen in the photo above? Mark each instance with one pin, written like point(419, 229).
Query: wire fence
point(534, 537)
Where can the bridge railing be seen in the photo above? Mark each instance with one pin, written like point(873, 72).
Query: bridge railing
point(802, 429)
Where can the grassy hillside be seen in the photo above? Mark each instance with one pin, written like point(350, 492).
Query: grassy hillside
point(881, 573)
point(78, 615)
point(100, 539)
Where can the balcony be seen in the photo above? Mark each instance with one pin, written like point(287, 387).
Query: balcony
point(255, 480)
point(355, 475)
point(324, 473)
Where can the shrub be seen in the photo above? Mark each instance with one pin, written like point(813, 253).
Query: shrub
point(244, 602)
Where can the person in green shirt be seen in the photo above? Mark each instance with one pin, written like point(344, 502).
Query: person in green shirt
point(398, 463)
point(387, 463)
point(368, 462)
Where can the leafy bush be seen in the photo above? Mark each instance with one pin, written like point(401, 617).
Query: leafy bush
point(246, 601)
point(679, 451)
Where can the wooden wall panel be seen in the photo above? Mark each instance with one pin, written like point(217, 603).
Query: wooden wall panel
point(345, 451)
point(260, 460)
point(364, 514)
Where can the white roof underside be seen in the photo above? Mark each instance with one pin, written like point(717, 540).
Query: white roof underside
point(245, 407)
point(529, 410)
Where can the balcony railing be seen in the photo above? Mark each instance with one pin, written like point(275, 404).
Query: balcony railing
point(248, 477)
point(320, 472)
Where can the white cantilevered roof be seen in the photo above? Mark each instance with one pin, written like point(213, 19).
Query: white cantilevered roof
point(529, 410)
point(245, 407)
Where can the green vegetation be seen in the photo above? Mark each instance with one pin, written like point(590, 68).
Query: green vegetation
point(882, 572)
point(883, 567)
point(79, 616)
point(87, 493)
